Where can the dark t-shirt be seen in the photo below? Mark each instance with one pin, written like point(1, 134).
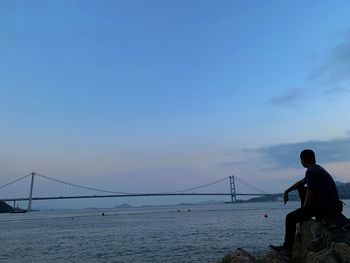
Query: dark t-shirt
point(321, 182)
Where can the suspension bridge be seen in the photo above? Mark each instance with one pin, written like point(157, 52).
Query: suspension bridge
point(43, 187)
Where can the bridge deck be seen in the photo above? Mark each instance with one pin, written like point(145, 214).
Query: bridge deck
point(130, 195)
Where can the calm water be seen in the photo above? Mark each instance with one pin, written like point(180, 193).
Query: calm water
point(157, 234)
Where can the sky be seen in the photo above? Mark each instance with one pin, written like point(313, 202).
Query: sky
point(153, 96)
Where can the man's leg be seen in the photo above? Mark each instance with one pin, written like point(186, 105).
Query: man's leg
point(299, 215)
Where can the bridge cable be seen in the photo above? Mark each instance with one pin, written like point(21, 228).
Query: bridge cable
point(15, 181)
point(82, 187)
point(251, 186)
point(201, 186)
point(126, 193)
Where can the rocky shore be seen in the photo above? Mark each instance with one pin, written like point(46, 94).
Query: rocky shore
point(315, 242)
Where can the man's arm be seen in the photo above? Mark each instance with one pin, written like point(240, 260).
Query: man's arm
point(292, 188)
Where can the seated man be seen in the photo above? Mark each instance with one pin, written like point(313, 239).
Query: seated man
point(319, 199)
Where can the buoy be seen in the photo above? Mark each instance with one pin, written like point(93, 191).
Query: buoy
point(103, 214)
point(265, 215)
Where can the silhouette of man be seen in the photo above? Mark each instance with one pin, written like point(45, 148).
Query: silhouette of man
point(319, 198)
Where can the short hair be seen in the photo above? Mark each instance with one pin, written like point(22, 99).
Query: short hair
point(308, 155)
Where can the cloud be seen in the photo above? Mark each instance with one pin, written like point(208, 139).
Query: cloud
point(290, 98)
point(287, 155)
point(241, 157)
point(329, 79)
point(334, 75)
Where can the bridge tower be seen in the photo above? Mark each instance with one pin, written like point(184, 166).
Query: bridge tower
point(233, 189)
point(31, 193)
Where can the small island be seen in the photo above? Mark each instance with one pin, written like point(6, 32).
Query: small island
point(5, 208)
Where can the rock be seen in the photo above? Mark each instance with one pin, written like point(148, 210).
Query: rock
point(317, 243)
point(273, 257)
point(242, 256)
point(238, 256)
point(309, 235)
point(337, 253)
point(324, 256)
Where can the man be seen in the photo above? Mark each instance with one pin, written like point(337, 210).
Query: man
point(319, 199)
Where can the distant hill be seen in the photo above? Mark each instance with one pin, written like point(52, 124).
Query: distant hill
point(267, 198)
point(5, 208)
point(343, 190)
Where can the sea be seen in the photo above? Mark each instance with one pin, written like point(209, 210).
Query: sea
point(172, 234)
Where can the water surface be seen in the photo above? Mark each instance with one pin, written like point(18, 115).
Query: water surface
point(197, 233)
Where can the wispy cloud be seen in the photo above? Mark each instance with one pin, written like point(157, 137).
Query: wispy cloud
point(334, 75)
point(238, 157)
point(290, 98)
point(329, 79)
point(287, 155)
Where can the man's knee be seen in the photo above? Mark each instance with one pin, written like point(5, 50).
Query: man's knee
point(291, 217)
point(297, 215)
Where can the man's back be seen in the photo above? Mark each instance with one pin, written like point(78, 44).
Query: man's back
point(322, 184)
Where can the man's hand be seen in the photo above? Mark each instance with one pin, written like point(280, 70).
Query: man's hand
point(285, 197)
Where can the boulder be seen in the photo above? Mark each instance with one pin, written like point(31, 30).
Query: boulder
point(238, 256)
point(242, 256)
point(342, 251)
point(337, 253)
point(316, 242)
point(310, 236)
point(324, 256)
point(273, 257)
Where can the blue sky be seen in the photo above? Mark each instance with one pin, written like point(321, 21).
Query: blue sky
point(173, 94)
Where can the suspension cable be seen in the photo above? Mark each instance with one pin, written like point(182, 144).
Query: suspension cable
point(197, 187)
point(15, 181)
point(82, 187)
point(115, 192)
point(249, 185)
point(127, 193)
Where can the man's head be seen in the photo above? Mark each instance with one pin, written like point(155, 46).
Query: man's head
point(307, 158)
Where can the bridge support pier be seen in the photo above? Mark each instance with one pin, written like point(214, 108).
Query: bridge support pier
point(233, 189)
point(31, 193)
